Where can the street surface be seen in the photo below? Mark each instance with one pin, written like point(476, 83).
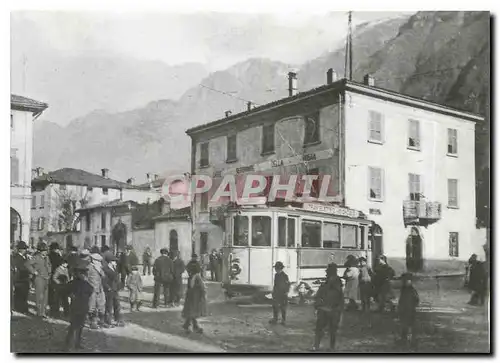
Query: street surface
point(446, 324)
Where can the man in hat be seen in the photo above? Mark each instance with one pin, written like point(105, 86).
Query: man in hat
point(111, 289)
point(280, 293)
point(55, 257)
point(21, 278)
point(97, 299)
point(329, 304)
point(72, 259)
point(127, 260)
point(163, 276)
point(407, 308)
point(41, 268)
point(80, 291)
point(382, 276)
point(176, 285)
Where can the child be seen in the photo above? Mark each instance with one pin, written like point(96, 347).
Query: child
point(329, 305)
point(134, 284)
point(61, 279)
point(407, 306)
point(280, 293)
point(195, 302)
point(80, 291)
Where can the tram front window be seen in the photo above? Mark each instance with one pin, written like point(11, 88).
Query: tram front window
point(261, 231)
point(241, 231)
point(311, 234)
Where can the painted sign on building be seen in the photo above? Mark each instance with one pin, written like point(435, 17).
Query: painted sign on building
point(330, 209)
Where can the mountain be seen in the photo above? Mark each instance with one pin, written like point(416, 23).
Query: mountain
point(439, 56)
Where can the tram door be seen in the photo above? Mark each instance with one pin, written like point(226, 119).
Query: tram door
point(285, 250)
point(261, 251)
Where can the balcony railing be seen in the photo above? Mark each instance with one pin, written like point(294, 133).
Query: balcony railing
point(421, 212)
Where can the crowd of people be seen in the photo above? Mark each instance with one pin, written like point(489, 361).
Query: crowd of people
point(86, 284)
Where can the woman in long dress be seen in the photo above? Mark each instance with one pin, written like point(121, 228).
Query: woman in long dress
point(195, 304)
point(351, 277)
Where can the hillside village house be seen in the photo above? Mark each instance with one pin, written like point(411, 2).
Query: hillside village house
point(406, 163)
point(59, 196)
point(23, 112)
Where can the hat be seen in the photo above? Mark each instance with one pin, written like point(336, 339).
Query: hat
point(96, 256)
point(54, 246)
point(42, 246)
point(129, 247)
point(81, 265)
point(163, 251)
point(194, 255)
point(21, 245)
point(84, 252)
point(135, 268)
point(362, 259)
point(95, 249)
point(279, 264)
point(74, 248)
point(104, 248)
point(108, 256)
point(406, 276)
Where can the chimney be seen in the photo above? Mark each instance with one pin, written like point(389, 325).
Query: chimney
point(249, 106)
point(228, 113)
point(105, 173)
point(331, 76)
point(292, 84)
point(369, 80)
point(131, 181)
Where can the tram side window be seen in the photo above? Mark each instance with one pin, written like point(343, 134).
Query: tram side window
point(291, 233)
point(261, 231)
point(349, 239)
point(362, 237)
point(282, 232)
point(240, 231)
point(311, 233)
point(331, 235)
point(286, 232)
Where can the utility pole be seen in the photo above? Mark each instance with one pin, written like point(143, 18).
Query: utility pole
point(348, 49)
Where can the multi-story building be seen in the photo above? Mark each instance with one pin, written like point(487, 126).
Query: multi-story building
point(406, 163)
point(58, 196)
point(23, 112)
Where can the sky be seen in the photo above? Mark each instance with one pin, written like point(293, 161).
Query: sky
point(216, 40)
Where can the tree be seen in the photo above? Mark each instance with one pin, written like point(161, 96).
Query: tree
point(67, 202)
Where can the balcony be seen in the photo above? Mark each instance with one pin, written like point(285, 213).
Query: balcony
point(421, 212)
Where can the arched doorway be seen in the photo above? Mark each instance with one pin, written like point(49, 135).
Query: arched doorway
point(377, 242)
point(16, 223)
point(414, 260)
point(119, 238)
point(174, 242)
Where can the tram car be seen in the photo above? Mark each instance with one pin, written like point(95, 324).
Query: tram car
point(304, 238)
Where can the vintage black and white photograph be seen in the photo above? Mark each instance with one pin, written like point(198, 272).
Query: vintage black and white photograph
point(250, 182)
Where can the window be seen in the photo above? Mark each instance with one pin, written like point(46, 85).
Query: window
point(268, 139)
point(414, 134)
point(103, 220)
point(33, 202)
point(311, 233)
point(331, 235)
point(376, 127)
point(204, 155)
point(362, 237)
point(453, 193)
point(95, 240)
point(349, 236)
point(42, 201)
point(203, 242)
point(87, 221)
point(414, 186)
point(311, 135)
point(286, 232)
point(453, 242)
point(452, 142)
point(32, 242)
point(41, 223)
point(261, 231)
point(376, 182)
point(14, 167)
point(204, 201)
point(12, 121)
point(105, 191)
point(62, 187)
point(231, 148)
point(240, 231)
point(103, 241)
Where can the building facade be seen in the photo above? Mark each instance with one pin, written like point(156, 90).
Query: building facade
point(406, 163)
point(23, 112)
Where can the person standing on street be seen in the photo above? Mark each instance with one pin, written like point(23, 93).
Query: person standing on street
point(176, 285)
point(280, 293)
point(97, 301)
point(72, 260)
point(55, 257)
point(146, 261)
point(477, 282)
point(214, 265)
point(21, 278)
point(351, 278)
point(111, 290)
point(383, 274)
point(40, 267)
point(134, 285)
point(365, 284)
point(196, 300)
point(163, 276)
point(329, 304)
point(407, 309)
point(80, 291)
point(124, 264)
point(60, 280)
